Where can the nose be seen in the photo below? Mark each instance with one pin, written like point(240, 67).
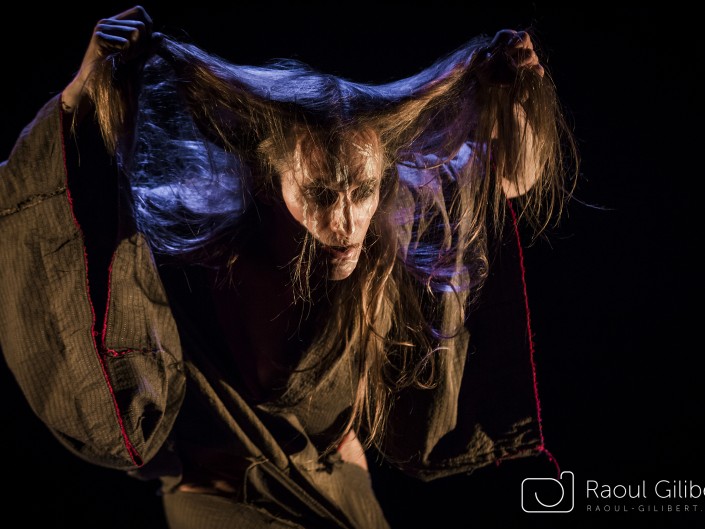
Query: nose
point(342, 222)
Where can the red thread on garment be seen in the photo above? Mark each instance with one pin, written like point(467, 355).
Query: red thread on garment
point(532, 348)
point(115, 353)
point(104, 332)
point(134, 455)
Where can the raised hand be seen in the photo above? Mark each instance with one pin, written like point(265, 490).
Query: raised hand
point(125, 36)
point(509, 52)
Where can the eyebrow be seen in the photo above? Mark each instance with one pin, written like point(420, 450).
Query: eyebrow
point(330, 184)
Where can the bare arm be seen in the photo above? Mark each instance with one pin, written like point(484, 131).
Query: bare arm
point(527, 171)
point(514, 50)
point(352, 451)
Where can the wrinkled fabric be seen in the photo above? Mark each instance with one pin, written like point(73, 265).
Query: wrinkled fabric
point(138, 385)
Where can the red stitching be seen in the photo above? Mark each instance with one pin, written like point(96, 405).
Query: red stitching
point(104, 332)
point(532, 349)
point(115, 353)
point(134, 455)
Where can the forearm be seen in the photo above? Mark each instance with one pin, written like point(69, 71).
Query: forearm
point(75, 100)
point(121, 40)
point(525, 170)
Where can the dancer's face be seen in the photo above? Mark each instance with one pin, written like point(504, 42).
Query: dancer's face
point(336, 206)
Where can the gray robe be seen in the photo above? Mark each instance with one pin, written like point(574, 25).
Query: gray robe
point(138, 385)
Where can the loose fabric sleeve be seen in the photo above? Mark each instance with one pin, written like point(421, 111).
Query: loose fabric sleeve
point(107, 381)
point(484, 407)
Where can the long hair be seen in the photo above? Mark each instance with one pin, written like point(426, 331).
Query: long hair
point(201, 139)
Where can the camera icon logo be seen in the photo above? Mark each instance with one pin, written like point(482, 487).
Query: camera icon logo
point(546, 495)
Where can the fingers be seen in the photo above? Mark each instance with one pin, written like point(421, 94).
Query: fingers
point(525, 57)
point(521, 39)
point(135, 13)
point(512, 38)
point(133, 26)
point(111, 43)
point(126, 33)
point(126, 36)
point(503, 37)
point(519, 48)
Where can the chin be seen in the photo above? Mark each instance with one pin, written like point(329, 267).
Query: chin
point(340, 272)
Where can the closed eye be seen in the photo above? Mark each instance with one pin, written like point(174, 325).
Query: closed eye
point(363, 192)
point(327, 197)
point(322, 196)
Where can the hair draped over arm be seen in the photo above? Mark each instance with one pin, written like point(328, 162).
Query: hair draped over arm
point(196, 135)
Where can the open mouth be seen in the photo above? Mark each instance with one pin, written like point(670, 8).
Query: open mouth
point(341, 252)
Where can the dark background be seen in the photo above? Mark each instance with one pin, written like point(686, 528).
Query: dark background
point(615, 291)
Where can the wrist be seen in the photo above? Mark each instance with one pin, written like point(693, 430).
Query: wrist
point(75, 99)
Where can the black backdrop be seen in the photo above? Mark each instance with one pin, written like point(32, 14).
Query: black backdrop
point(614, 294)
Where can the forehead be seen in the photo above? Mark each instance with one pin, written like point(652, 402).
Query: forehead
point(353, 159)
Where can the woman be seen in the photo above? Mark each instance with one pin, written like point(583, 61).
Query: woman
point(270, 270)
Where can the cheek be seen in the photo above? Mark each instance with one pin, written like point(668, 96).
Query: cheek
point(292, 197)
point(364, 212)
point(304, 212)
